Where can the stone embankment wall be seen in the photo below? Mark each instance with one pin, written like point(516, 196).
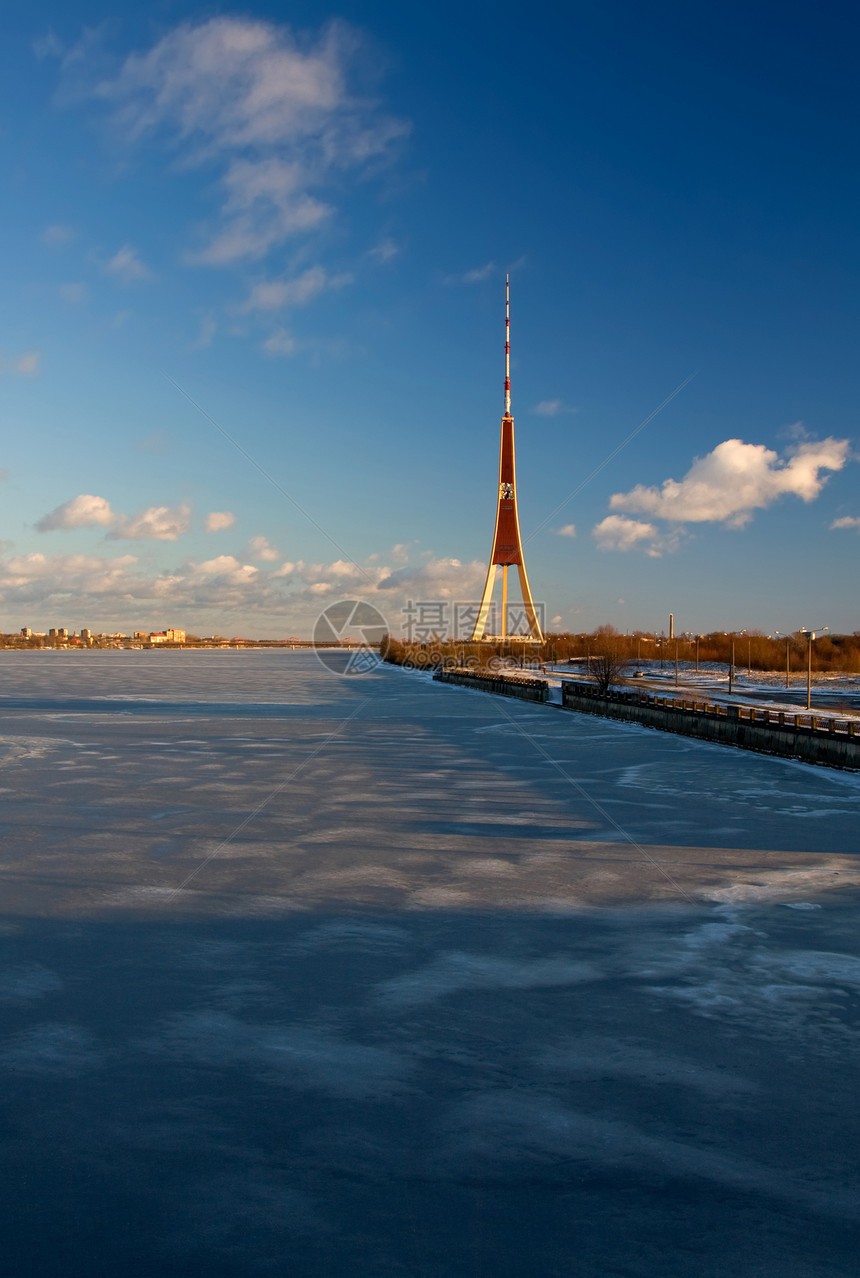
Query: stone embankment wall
point(502, 685)
point(808, 736)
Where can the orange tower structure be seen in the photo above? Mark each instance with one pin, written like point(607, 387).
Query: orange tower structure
point(507, 544)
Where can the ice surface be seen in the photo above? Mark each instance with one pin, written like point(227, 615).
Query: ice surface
point(312, 975)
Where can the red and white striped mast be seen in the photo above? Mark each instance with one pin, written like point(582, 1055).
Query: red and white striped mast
point(507, 346)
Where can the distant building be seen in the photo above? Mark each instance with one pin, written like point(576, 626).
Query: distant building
point(26, 632)
point(86, 636)
point(167, 636)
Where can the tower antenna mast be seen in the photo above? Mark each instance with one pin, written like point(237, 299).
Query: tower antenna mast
point(507, 346)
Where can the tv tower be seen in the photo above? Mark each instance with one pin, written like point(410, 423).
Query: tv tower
point(507, 544)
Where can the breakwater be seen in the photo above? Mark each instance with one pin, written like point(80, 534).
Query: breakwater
point(814, 738)
point(502, 685)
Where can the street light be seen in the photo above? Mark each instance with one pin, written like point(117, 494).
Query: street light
point(810, 636)
point(787, 639)
point(732, 667)
point(640, 639)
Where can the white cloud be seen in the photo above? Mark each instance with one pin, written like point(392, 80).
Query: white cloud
point(341, 571)
point(617, 532)
point(25, 365)
point(264, 205)
point(341, 577)
point(127, 266)
point(73, 294)
point(552, 408)
point(118, 592)
point(157, 523)
point(474, 276)
point(730, 483)
point(275, 109)
point(208, 329)
point(81, 512)
point(569, 530)
point(847, 521)
point(385, 251)
point(226, 568)
point(218, 520)
point(280, 342)
point(437, 579)
point(261, 548)
point(57, 234)
point(48, 46)
point(155, 442)
point(555, 621)
point(479, 273)
point(43, 577)
point(272, 295)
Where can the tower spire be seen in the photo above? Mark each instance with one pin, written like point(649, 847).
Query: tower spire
point(507, 346)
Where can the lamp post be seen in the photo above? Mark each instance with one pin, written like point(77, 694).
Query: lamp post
point(810, 636)
point(732, 667)
point(787, 639)
point(639, 642)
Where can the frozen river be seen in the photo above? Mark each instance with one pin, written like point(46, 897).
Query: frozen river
point(313, 975)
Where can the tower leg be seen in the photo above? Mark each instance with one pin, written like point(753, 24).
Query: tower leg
point(534, 624)
point(504, 600)
point(481, 621)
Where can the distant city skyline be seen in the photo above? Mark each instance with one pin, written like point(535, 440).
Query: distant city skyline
point(251, 356)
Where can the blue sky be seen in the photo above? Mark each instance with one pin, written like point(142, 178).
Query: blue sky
point(303, 216)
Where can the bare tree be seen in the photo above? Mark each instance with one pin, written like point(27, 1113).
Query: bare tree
point(609, 660)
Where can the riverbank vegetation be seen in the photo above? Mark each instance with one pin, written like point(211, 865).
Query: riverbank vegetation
point(606, 649)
